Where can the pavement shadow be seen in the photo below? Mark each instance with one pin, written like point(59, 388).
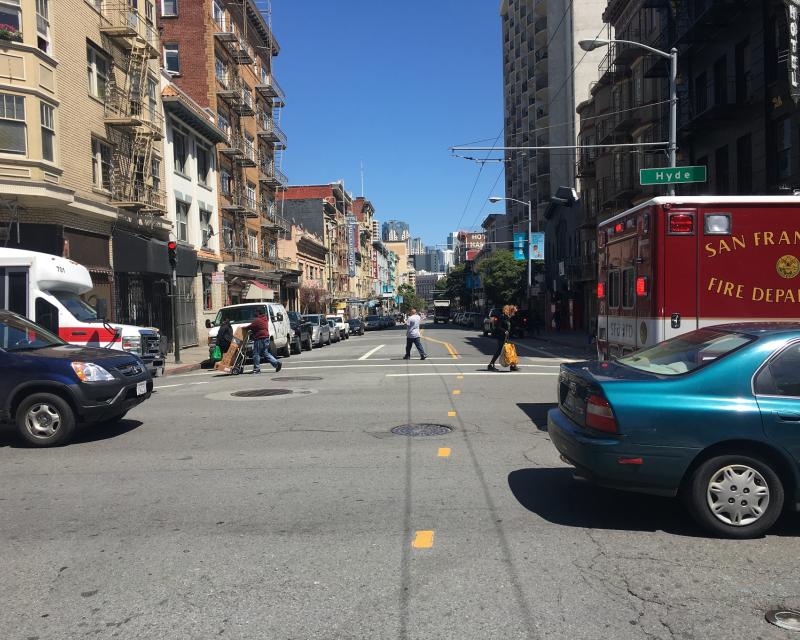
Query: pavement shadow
point(486, 346)
point(85, 433)
point(555, 495)
point(537, 412)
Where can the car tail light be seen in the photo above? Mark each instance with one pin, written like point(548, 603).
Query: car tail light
point(601, 290)
point(641, 286)
point(619, 227)
point(599, 414)
point(681, 223)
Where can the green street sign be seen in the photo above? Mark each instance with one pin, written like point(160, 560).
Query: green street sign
point(672, 175)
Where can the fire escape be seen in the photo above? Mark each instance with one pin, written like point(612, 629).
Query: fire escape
point(132, 117)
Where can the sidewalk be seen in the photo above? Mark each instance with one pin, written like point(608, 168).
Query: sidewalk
point(192, 358)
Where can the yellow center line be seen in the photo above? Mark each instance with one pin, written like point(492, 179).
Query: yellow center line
point(451, 414)
point(450, 349)
point(456, 392)
point(459, 377)
point(444, 452)
point(423, 540)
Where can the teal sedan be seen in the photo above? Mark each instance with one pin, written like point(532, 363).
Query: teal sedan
point(712, 416)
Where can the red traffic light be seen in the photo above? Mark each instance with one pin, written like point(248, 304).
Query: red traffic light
point(172, 245)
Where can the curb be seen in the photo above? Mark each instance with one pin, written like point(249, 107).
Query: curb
point(182, 368)
point(582, 347)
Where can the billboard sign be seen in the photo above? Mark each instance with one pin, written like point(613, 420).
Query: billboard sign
point(537, 246)
point(350, 221)
point(520, 250)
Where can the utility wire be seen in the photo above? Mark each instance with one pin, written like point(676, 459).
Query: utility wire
point(477, 178)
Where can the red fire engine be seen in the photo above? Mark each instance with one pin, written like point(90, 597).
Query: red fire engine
point(674, 264)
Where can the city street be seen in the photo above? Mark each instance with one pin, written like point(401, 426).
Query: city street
point(295, 516)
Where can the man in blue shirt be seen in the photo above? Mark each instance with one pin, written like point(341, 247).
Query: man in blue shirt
point(412, 336)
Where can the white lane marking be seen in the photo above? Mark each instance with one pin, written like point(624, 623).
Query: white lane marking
point(476, 373)
point(167, 386)
point(194, 383)
point(371, 351)
point(414, 363)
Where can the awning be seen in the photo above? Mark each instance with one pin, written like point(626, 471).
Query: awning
point(258, 291)
point(135, 254)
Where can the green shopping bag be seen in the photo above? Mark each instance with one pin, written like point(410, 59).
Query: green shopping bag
point(216, 353)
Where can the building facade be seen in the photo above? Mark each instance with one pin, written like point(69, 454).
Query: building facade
point(468, 243)
point(306, 252)
point(190, 181)
point(221, 55)
point(395, 231)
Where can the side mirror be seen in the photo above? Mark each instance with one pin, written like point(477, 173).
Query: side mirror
point(280, 317)
point(208, 323)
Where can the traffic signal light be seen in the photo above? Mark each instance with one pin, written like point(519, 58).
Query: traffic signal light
point(172, 248)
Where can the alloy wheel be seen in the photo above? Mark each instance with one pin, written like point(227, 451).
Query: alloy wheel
point(738, 495)
point(42, 420)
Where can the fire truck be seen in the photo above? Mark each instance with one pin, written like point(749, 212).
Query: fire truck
point(675, 264)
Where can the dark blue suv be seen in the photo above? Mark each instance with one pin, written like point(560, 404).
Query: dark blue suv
point(47, 386)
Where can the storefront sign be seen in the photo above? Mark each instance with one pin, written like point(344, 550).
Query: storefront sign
point(218, 277)
point(375, 265)
point(793, 18)
point(350, 221)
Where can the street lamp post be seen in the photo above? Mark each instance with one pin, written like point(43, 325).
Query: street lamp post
point(529, 204)
point(672, 56)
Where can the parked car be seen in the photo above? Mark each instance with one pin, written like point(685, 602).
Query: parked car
point(336, 335)
point(711, 416)
point(519, 324)
point(373, 323)
point(356, 326)
point(320, 330)
point(341, 324)
point(489, 320)
point(459, 319)
point(48, 386)
point(302, 332)
point(241, 315)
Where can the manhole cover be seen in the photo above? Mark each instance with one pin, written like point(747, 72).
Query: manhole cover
point(260, 393)
point(296, 378)
point(785, 619)
point(418, 429)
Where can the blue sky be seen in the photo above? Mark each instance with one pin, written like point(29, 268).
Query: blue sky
point(393, 84)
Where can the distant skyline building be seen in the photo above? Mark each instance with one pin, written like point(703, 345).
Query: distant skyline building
point(417, 246)
point(376, 230)
point(452, 240)
point(395, 231)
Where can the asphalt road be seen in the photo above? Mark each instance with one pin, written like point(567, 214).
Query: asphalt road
point(302, 516)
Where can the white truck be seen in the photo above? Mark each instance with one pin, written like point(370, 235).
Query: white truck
point(47, 289)
point(241, 315)
point(441, 311)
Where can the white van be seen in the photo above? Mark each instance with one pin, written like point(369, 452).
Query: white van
point(47, 289)
point(241, 315)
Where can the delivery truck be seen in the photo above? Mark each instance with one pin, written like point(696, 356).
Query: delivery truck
point(47, 289)
point(441, 311)
point(675, 264)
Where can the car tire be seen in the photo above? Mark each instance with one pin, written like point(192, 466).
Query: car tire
point(272, 348)
point(733, 477)
point(45, 420)
point(309, 344)
point(297, 347)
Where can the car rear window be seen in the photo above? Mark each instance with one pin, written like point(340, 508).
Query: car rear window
point(687, 352)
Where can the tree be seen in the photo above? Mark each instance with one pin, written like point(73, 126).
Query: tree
point(313, 299)
point(503, 278)
point(456, 286)
point(410, 298)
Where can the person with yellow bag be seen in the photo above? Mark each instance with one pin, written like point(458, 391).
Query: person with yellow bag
point(505, 350)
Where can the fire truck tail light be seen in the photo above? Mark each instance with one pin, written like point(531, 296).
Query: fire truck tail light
point(601, 290)
point(681, 223)
point(619, 227)
point(641, 286)
point(718, 224)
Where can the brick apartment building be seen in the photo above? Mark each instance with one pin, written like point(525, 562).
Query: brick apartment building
point(221, 54)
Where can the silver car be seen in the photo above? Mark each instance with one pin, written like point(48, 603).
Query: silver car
point(336, 335)
point(320, 330)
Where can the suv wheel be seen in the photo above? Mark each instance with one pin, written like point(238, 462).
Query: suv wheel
point(735, 496)
point(45, 419)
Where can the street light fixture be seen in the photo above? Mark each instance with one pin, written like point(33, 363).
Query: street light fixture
point(529, 204)
point(672, 56)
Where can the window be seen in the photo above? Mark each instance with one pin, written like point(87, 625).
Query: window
point(721, 81)
point(152, 100)
point(149, 12)
point(700, 93)
point(779, 377)
point(722, 170)
point(179, 151)
point(744, 165)
point(172, 63)
point(12, 124)
point(208, 304)
point(783, 139)
point(97, 66)
point(155, 172)
point(628, 289)
point(48, 131)
point(220, 71)
point(205, 228)
point(613, 289)
point(227, 235)
point(203, 164)
point(219, 14)
point(252, 243)
point(251, 194)
point(182, 220)
point(101, 164)
point(11, 14)
point(43, 26)
point(224, 123)
point(225, 182)
point(169, 7)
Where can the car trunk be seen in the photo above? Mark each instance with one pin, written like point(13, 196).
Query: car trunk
point(574, 388)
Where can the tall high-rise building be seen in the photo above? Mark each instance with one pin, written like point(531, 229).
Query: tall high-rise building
point(417, 246)
point(540, 76)
point(395, 231)
point(452, 240)
point(376, 230)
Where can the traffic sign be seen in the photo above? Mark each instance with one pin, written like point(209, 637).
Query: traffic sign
point(672, 175)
